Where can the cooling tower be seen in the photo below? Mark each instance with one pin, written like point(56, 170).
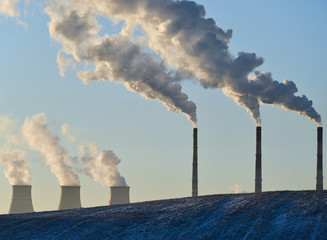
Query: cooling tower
point(319, 184)
point(195, 164)
point(258, 168)
point(119, 195)
point(21, 201)
point(70, 197)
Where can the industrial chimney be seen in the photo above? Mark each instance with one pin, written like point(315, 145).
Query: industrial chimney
point(258, 168)
point(21, 201)
point(70, 197)
point(319, 184)
point(195, 163)
point(119, 195)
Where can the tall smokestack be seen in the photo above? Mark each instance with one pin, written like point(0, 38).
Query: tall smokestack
point(119, 195)
point(70, 197)
point(21, 201)
point(258, 168)
point(195, 164)
point(319, 184)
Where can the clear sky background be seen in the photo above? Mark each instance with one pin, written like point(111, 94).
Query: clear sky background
point(156, 145)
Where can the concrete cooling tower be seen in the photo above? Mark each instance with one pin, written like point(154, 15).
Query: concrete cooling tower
point(70, 197)
point(119, 195)
point(21, 201)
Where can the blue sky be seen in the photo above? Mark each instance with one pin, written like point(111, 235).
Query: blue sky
point(156, 145)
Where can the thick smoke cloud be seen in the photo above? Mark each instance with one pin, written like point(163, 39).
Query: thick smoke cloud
point(39, 137)
point(115, 58)
point(182, 37)
point(12, 154)
point(179, 32)
point(101, 167)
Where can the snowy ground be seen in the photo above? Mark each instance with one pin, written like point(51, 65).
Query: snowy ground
point(270, 215)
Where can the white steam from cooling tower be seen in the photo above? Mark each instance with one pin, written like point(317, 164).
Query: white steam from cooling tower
point(102, 166)
point(178, 33)
point(39, 138)
point(12, 154)
point(18, 171)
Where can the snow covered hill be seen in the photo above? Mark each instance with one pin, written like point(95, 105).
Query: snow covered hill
point(270, 215)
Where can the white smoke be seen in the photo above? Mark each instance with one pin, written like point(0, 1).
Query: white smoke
point(101, 167)
point(7, 132)
point(18, 171)
point(179, 32)
point(35, 134)
point(12, 154)
point(38, 136)
point(115, 58)
point(8, 8)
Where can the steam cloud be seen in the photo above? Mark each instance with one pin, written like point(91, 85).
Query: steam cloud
point(39, 137)
point(179, 33)
point(8, 8)
point(18, 171)
point(115, 58)
point(11, 154)
point(101, 167)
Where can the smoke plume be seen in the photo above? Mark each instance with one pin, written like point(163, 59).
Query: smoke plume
point(38, 136)
point(101, 167)
point(12, 154)
point(115, 58)
point(184, 43)
point(179, 32)
point(18, 171)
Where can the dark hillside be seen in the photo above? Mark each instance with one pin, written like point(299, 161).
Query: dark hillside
point(270, 215)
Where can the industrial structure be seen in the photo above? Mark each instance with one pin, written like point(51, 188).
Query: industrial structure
point(320, 177)
point(70, 197)
point(21, 201)
point(195, 164)
point(258, 162)
point(119, 195)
